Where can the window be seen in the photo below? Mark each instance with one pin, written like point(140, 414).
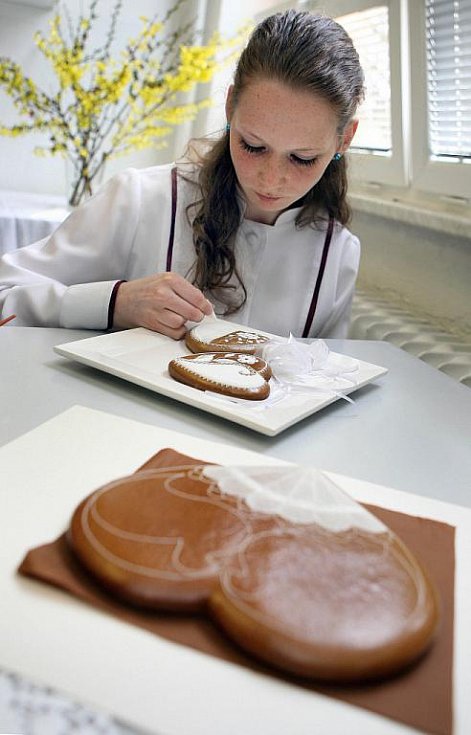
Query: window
point(415, 125)
point(448, 31)
point(441, 94)
point(370, 31)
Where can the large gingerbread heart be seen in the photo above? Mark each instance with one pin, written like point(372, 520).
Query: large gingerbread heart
point(338, 597)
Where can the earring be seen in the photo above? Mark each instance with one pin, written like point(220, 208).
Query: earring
point(228, 127)
point(337, 157)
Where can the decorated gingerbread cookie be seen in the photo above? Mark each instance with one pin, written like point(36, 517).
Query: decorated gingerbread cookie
point(232, 374)
point(337, 597)
point(212, 336)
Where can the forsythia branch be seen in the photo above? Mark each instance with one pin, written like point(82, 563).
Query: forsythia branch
point(105, 105)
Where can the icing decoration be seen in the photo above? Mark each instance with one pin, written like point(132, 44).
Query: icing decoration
point(226, 372)
point(223, 372)
point(296, 494)
point(211, 334)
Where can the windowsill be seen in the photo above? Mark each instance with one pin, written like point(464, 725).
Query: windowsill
point(433, 213)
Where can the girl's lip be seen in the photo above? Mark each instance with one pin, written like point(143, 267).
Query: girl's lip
point(267, 196)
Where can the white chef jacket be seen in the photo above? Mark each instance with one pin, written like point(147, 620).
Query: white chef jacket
point(122, 233)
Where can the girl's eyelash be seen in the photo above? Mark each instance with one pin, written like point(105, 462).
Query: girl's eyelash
point(250, 148)
point(304, 161)
point(260, 149)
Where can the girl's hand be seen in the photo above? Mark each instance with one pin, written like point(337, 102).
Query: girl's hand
point(163, 303)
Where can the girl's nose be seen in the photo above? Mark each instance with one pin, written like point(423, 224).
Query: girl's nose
point(272, 172)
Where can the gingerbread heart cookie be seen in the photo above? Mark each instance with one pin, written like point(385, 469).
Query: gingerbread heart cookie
point(210, 336)
point(337, 598)
point(232, 374)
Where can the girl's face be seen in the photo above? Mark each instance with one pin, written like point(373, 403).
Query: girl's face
point(281, 142)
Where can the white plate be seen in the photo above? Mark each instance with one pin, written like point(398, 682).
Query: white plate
point(142, 357)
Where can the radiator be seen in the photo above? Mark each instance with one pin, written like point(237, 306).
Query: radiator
point(376, 316)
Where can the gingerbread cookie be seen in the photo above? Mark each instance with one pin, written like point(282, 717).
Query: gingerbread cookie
point(340, 607)
point(210, 336)
point(335, 601)
point(236, 375)
point(156, 539)
point(256, 363)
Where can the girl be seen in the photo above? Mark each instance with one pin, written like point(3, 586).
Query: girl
point(253, 225)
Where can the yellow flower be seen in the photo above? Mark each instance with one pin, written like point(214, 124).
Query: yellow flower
point(105, 106)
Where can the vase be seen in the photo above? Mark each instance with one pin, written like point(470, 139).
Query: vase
point(79, 188)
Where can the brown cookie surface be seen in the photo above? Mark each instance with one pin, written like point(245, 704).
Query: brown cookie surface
point(344, 606)
point(156, 538)
point(337, 605)
point(231, 374)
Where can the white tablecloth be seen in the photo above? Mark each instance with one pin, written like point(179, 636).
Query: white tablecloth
point(25, 217)
point(28, 707)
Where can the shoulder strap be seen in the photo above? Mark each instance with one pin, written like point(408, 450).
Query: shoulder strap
point(172, 222)
point(317, 287)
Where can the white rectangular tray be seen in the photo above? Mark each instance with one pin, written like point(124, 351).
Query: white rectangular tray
point(141, 356)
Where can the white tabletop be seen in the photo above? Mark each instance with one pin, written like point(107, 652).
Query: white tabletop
point(409, 430)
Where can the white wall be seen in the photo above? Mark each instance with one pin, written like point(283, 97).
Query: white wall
point(428, 271)
point(20, 169)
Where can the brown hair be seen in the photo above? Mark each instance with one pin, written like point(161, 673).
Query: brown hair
point(306, 52)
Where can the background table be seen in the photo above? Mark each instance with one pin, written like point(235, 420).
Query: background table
point(411, 430)
point(25, 218)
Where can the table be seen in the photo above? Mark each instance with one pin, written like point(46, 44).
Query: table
point(25, 217)
point(411, 430)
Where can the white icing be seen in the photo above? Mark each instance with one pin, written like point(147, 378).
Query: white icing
point(298, 494)
point(247, 359)
point(206, 331)
point(209, 329)
point(204, 357)
point(225, 357)
point(242, 337)
point(226, 373)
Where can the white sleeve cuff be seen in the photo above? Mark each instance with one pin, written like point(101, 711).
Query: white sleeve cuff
point(85, 305)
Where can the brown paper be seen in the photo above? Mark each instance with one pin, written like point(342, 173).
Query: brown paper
point(420, 697)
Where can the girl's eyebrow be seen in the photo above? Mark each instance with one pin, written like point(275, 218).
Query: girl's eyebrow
point(251, 135)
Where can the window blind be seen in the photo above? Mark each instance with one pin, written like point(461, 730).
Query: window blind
point(369, 31)
point(448, 30)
